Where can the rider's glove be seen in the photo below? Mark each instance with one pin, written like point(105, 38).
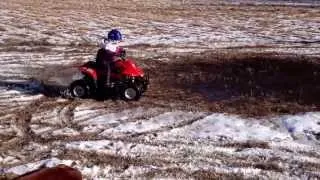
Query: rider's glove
point(123, 54)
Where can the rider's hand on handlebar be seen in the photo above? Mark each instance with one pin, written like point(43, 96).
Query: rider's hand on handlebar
point(123, 54)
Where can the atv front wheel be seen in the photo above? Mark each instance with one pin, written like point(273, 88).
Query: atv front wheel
point(79, 89)
point(130, 93)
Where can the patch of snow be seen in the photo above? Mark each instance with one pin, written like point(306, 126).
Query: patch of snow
point(101, 117)
point(306, 124)
point(295, 146)
point(18, 95)
point(97, 120)
point(168, 119)
point(22, 169)
point(97, 172)
point(7, 130)
point(135, 171)
point(37, 129)
point(9, 160)
point(33, 146)
point(110, 147)
point(52, 117)
point(65, 132)
point(234, 128)
point(230, 126)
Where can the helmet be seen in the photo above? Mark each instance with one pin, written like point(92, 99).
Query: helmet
point(114, 35)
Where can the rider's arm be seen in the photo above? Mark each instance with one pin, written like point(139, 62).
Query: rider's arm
point(121, 53)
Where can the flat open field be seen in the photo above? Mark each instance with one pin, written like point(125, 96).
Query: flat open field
point(234, 89)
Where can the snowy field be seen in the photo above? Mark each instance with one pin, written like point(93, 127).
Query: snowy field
point(212, 110)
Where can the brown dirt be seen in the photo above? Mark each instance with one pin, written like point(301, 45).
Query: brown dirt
point(249, 84)
point(239, 83)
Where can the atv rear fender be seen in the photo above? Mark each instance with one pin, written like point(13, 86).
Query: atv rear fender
point(89, 72)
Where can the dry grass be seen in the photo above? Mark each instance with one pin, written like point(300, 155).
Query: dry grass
point(151, 9)
point(56, 15)
point(120, 162)
point(202, 174)
point(249, 144)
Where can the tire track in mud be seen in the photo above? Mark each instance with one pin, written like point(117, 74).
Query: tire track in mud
point(17, 146)
point(22, 118)
point(65, 112)
point(68, 118)
point(22, 146)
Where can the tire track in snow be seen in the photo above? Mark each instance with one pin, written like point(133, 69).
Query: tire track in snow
point(167, 120)
point(21, 120)
point(113, 119)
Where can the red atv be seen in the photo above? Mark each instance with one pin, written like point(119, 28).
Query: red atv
point(126, 80)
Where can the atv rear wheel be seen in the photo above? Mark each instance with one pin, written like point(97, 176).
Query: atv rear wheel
point(130, 93)
point(79, 89)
